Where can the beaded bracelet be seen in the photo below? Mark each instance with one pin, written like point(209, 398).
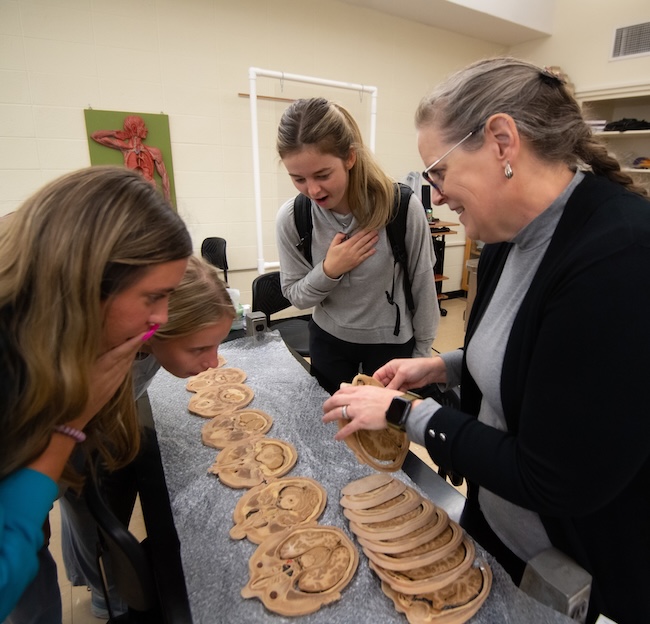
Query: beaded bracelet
point(76, 434)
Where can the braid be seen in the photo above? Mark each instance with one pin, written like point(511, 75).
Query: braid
point(531, 96)
point(594, 153)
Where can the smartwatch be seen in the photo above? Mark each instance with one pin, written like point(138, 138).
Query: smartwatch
point(399, 409)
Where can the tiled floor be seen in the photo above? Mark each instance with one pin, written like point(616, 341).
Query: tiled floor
point(76, 600)
point(451, 331)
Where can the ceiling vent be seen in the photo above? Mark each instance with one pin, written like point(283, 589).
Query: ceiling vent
point(632, 40)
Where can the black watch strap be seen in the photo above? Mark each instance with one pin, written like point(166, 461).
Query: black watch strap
point(399, 409)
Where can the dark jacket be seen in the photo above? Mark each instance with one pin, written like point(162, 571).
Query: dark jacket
point(574, 388)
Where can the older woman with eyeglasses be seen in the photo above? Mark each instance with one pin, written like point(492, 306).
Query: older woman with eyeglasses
point(553, 434)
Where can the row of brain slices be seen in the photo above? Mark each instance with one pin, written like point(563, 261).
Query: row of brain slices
point(299, 565)
point(247, 456)
point(426, 564)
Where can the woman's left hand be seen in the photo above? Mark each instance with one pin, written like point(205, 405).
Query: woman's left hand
point(365, 408)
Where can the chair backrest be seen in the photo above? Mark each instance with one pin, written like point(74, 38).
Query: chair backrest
point(130, 566)
point(213, 250)
point(267, 295)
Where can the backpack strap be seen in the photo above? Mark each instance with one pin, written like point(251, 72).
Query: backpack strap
point(396, 231)
point(304, 224)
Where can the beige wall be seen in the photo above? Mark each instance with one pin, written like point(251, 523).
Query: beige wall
point(582, 41)
point(190, 59)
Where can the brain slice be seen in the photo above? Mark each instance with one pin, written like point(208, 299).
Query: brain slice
point(234, 426)
point(385, 449)
point(271, 508)
point(215, 376)
point(301, 569)
point(216, 400)
point(250, 462)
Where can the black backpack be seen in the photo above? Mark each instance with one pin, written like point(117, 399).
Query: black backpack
point(395, 229)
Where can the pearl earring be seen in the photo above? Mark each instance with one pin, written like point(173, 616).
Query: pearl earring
point(508, 170)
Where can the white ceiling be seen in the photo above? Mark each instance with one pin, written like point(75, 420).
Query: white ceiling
point(456, 18)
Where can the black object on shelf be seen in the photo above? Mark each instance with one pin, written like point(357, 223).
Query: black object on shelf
point(621, 125)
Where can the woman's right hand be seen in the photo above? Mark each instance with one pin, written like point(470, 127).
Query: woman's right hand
point(404, 374)
point(344, 254)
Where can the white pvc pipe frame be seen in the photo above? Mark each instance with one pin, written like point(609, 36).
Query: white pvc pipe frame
point(253, 72)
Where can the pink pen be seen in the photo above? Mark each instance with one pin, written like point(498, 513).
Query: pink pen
point(151, 332)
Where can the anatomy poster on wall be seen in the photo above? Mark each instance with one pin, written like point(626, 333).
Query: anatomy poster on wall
point(139, 141)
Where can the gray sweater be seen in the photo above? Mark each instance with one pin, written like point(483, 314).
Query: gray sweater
point(519, 529)
point(354, 307)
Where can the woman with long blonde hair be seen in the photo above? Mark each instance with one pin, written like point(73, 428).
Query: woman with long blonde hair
point(361, 317)
point(86, 268)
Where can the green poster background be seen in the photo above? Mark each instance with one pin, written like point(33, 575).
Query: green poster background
point(158, 136)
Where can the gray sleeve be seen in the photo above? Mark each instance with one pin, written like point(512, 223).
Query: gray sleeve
point(305, 286)
point(453, 362)
point(418, 419)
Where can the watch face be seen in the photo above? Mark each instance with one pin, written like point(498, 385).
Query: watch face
point(398, 411)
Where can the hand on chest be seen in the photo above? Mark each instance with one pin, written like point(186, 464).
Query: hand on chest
point(376, 268)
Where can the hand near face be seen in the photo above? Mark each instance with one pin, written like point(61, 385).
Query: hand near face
point(344, 254)
point(404, 374)
point(366, 408)
point(108, 372)
point(106, 376)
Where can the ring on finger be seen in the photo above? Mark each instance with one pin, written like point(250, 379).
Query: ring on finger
point(344, 413)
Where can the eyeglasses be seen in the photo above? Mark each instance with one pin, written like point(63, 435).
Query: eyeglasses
point(433, 177)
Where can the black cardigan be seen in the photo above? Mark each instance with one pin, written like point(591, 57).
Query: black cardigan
point(573, 388)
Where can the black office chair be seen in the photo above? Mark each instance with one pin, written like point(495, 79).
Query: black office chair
point(268, 298)
point(213, 250)
point(130, 564)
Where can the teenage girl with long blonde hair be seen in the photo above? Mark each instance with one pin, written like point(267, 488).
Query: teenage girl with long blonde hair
point(86, 268)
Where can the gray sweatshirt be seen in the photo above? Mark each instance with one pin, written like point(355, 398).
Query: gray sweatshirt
point(354, 307)
point(520, 529)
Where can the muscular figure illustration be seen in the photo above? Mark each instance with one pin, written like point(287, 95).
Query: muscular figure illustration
point(137, 155)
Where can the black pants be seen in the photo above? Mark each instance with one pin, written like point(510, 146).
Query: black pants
point(334, 361)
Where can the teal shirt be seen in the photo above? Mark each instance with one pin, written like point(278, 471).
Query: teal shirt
point(26, 497)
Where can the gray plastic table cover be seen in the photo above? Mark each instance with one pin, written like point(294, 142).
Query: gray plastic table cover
point(216, 566)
